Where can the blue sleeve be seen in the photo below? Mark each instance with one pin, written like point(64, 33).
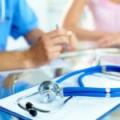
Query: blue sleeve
point(24, 20)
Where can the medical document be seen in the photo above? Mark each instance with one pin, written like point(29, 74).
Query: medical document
point(84, 108)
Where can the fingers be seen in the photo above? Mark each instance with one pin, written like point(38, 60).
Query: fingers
point(73, 42)
point(50, 46)
point(54, 55)
point(112, 40)
point(57, 48)
point(106, 42)
point(57, 33)
point(68, 41)
point(60, 40)
point(63, 37)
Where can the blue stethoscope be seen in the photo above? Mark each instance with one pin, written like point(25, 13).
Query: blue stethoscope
point(50, 91)
point(90, 91)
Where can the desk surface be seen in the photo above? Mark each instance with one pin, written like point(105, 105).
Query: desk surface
point(78, 106)
point(114, 115)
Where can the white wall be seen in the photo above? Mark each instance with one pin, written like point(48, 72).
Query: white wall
point(56, 11)
point(40, 7)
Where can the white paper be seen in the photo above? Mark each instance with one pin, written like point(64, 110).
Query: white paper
point(75, 108)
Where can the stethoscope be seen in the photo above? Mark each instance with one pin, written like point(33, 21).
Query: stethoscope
point(50, 91)
point(3, 11)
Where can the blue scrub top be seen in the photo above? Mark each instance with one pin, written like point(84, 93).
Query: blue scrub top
point(19, 20)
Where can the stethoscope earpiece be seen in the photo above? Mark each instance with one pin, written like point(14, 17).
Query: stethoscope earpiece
point(32, 111)
point(29, 105)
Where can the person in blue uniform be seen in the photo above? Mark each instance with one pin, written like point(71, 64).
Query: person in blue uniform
point(17, 19)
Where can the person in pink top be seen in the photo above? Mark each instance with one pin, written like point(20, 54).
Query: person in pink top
point(107, 19)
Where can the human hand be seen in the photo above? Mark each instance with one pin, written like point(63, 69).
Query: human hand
point(109, 40)
point(73, 41)
point(48, 47)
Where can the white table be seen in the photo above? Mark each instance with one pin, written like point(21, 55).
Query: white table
point(85, 108)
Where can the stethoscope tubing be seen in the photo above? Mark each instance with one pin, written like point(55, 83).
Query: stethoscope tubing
point(81, 90)
point(24, 108)
point(87, 70)
point(95, 92)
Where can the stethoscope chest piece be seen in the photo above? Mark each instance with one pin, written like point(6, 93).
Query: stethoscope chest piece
point(49, 91)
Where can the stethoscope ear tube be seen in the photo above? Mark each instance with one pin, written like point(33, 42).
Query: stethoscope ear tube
point(81, 90)
point(91, 70)
point(29, 107)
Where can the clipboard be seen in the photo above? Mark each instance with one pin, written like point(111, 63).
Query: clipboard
point(97, 108)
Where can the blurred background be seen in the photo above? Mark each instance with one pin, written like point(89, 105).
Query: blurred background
point(50, 13)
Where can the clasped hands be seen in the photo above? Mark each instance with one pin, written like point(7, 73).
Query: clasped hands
point(49, 47)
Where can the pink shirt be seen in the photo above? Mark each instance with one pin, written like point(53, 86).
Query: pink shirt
point(106, 14)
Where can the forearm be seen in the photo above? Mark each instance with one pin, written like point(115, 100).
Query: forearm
point(12, 60)
point(84, 34)
point(34, 35)
point(72, 20)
